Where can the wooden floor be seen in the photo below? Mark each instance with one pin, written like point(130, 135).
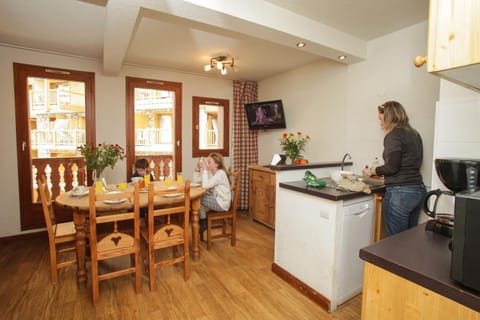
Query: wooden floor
point(226, 283)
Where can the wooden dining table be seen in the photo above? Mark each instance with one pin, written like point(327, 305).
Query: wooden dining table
point(80, 208)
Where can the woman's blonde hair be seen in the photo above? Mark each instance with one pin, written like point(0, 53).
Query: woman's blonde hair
point(394, 115)
point(218, 159)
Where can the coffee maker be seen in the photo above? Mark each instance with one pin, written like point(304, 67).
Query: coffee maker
point(457, 175)
point(461, 177)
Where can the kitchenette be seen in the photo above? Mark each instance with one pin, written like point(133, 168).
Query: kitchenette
point(319, 232)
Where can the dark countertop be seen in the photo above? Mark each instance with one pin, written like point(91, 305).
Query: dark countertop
point(283, 167)
point(328, 193)
point(422, 257)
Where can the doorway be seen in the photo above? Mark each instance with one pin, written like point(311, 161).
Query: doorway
point(154, 126)
point(54, 115)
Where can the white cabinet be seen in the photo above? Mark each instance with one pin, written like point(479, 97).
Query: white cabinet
point(317, 242)
point(454, 41)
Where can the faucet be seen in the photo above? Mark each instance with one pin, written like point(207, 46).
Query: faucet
point(345, 157)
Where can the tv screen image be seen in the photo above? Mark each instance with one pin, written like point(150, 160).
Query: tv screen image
point(265, 115)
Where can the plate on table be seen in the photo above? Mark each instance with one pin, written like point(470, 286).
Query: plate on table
point(115, 201)
point(172, 195)
point(79, 192)
point(195, 184)
point(114, 192)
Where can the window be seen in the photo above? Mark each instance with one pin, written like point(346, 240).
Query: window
point(210, 126)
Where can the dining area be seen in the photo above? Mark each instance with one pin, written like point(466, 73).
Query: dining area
point(107, 224)
point(231, 278)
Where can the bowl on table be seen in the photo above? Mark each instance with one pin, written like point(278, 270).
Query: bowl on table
point(136, 179)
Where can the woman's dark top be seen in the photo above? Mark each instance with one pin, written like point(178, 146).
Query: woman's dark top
point(403, 156)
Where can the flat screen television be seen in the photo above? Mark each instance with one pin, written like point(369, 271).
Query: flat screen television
point(265, 115)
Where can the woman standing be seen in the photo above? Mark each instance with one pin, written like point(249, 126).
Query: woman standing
point(402, 155)
point(211, 172)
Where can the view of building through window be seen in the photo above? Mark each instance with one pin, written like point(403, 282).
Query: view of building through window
point(56, 116)
point(154, 121)
point(210, 130)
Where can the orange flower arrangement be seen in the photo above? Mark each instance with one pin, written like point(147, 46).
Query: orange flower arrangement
point(293, 145)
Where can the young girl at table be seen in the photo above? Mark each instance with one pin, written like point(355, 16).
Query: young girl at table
point(211, 172)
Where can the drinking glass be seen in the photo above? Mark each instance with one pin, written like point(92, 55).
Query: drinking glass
point(146, 179)
point(179, 178)
point(168, 181)
point(122, 186)
point(99, 187)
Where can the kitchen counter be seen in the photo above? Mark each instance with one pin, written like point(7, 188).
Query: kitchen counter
point(308, 166)
point(329, 193)
point(264, 185)
point(420, 257)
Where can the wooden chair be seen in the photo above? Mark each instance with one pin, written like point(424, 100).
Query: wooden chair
point(168, 227)
point(61, 236)
point(219, 219)
point(108, 241)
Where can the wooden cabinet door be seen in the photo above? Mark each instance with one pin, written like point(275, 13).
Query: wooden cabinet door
point(55, 113)
point(263, 197)
point(454, 34)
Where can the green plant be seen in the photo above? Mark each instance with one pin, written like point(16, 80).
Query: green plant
point(99, 157)
point(293, 145)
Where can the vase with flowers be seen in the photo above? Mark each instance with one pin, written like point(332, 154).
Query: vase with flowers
point(101, 156)
point(292, 145)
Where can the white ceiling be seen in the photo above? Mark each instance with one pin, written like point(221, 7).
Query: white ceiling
point(183, 35)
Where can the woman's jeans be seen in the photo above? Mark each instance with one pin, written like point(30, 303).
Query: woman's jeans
point(402, 206)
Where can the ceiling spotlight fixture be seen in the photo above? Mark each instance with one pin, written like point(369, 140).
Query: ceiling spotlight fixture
point(342, 57)
point(301, 44)
point(221, 63)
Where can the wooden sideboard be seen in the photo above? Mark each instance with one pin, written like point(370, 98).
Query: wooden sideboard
point(261, 198)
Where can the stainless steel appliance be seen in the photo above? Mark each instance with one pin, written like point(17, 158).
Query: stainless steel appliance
point(461, 177)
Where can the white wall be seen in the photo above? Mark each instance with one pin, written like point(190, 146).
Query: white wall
point(110, 115)
point(315, 103)
point(336, 104)
point(456, 133)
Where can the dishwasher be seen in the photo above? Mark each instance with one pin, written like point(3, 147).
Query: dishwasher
point(357, 227)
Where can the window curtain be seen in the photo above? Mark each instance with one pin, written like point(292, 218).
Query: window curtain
point(245, 141)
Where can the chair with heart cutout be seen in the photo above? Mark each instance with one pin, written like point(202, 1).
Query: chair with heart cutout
point(167, 228)
point(114, 234)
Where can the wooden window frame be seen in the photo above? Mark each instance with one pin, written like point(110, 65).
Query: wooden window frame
point(196, 102)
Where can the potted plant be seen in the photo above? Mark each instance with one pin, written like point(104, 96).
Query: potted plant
point(101, 156)
point(292, 145)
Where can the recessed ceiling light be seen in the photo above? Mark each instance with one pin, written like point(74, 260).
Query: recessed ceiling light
point(301, 44)
point(342, 57)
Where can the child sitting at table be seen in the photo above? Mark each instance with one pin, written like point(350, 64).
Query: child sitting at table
point(212, 173)
point(141, 166)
